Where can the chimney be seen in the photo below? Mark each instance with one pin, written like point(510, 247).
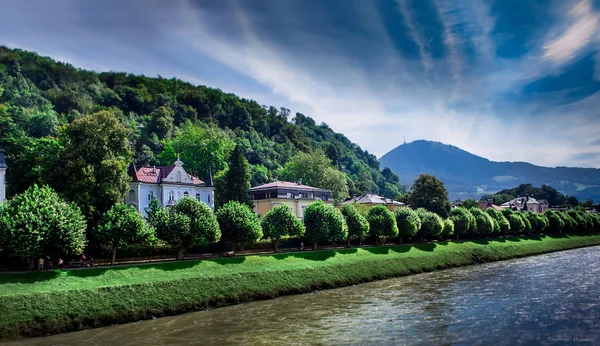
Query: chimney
point(299, 181)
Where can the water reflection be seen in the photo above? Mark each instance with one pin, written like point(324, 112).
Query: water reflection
point(524, 301)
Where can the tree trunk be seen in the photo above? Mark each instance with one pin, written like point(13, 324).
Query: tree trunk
point(180, 253)
point(275, 244)
point(314, 245)
point(114, 255)
point(348, 242)
point(456, 236)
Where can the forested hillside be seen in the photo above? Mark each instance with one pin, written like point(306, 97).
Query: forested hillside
point(40, 97)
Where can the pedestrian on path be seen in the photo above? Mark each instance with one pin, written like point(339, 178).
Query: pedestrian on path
point(61, 263)
point(41, 264)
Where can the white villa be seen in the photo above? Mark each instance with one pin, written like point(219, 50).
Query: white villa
point(167, 184)
point(3, 168)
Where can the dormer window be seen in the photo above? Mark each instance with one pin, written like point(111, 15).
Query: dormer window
point(179, 177)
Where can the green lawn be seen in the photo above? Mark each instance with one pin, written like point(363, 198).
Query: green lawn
point(50, 302)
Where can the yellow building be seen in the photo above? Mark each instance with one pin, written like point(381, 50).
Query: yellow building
point(296, 195)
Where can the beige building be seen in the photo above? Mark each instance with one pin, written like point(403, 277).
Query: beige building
point(532, 204)
point(371, 200)
point(296, 195)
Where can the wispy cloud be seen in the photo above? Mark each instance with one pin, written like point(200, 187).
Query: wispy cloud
point(576, 36)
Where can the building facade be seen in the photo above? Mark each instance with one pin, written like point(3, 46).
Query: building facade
point(297, 196)
point(532, 204)
point(167, 185)
point(3, 168)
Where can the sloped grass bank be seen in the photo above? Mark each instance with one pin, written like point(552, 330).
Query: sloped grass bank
point(36, 304)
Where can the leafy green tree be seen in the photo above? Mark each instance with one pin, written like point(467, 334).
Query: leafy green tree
point(202, 148)
point(432, 225)
point(260, 175)
point(408, 223)
point(470, 203)
point(528, 228)
point(162, 122)
point(280, 222)
point(239, 224)
point(382, 223)
point(429, 193)
point(581, 225)
point(358, 225)
point(93, 165)
point(503, 224)
point(324, 223)
point(38, 222)
point(315, 169)
point(235, 184)
point(555, 222)
point(501, 198)
point(188, 223)
point(570, 224)
point(462, 219)
point(122, 225)
point(448, 230)
point(485, 225)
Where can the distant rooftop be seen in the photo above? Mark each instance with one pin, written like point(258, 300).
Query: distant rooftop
point(372, 199)
point(286, 185)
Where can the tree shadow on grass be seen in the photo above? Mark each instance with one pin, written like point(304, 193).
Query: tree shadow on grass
point(311, 255)
point(513, 239)
point(378, 250)
point(480, 241)
point(31, 277)
point(425, 247)
point(230, 260)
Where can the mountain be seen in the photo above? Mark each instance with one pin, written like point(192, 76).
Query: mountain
point(470, 176)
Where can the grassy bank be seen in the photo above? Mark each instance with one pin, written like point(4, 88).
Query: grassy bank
point(52, 302)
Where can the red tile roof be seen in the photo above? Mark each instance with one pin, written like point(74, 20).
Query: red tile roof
point(152, 175)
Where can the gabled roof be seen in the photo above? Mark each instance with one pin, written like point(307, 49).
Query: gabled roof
point(372, 199)
point(519, 202)
point(286, 185)
point(155, 175)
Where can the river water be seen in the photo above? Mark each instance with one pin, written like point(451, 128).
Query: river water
point(549, 299)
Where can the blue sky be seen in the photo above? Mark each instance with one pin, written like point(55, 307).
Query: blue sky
point(510, 80)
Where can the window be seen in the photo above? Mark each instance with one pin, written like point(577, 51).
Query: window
point(324, 197)
point(185, 194)
point(151, 196)
point(209, 198)
point(289, 195)
point(171, 197)
point(131, 195)
point(198, 196)
point(179, 177)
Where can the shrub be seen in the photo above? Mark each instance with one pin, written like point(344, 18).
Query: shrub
point(432, 224)
point(188, 223)
point(448, 230)
point(38, 222)
point(570, 224)
point(462, 220)
point(324, 223)
point(517, 225)
point(580, 221)
point(382, 223)
point(408, 223)
point(239, 224)
point(484, 222)
point(122, 225)
point(555, 222)
point(595, 222)
point(543, 220)
point(279, 222)
point(358, 225)
point(527, 229)
point(503, 224)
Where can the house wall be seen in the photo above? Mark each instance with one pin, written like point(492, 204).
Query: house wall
point(2, 185)
point(262, 206)
point(141, 193)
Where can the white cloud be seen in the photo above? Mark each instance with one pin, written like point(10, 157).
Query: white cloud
point(576, 36)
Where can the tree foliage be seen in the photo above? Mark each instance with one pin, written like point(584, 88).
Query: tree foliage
point(38, 222)
point(429, 193)
point(448, 230)
point(555, 222)
point(358, 225)
point(408, 222)
point(324, 223)
point(235, 184)
point(188, 223)
point(382, 223)
point(280, 222)
point(462, 219)
point(483, 221)
point(239, 224)
point(432, 224)
point(503, 224)
point(122, 225)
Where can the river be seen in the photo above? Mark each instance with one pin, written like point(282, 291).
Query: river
point(548, 299)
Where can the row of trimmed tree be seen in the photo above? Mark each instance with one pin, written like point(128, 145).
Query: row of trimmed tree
point(39, 222)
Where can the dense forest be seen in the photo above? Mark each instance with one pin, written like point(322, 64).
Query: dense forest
point(40, 99)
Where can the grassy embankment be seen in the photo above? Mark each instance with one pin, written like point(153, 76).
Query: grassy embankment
point(52, 302)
